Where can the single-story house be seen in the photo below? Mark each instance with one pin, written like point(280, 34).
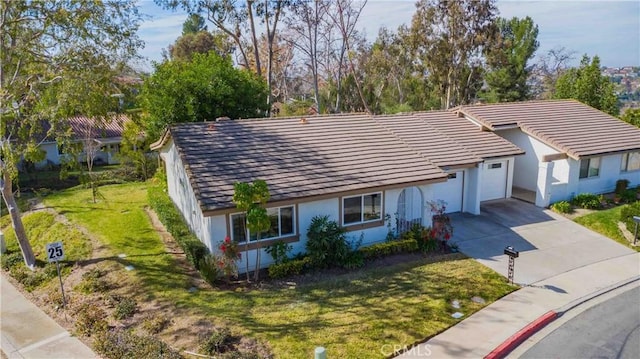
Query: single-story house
point(361, 170)
point(364, 171)
point(570, 148)
point(105, 136)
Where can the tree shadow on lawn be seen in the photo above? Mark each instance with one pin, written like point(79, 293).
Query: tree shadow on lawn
point(378, 305)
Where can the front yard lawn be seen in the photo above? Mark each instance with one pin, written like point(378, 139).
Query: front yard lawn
point(605, 222)
point(353, 315)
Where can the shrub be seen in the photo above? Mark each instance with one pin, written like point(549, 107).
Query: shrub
point(279, 251)
point(11, 259)
point(621, 186)
point(125, 308)
point(326, 242)
point(92, 282)
point(627, 213)
point(90, 320)
point(290, 268)
point(354, 260)
point(210, 268)
point(120, 343)
point(629, 196)
point(587, 200)
point(154, 324)
point(228, 260)
point(561, 207)
point(387, 248)
point(217, 342)
point(175, 224)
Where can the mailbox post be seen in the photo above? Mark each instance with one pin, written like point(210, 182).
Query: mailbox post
point(513, 254)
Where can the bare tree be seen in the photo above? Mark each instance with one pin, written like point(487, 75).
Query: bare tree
point(546, 72)
point(305, 25)
point(344, 16)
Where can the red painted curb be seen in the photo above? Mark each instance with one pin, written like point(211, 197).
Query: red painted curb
point(508, 345)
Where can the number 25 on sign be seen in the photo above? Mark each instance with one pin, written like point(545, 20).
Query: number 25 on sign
point(55, 253)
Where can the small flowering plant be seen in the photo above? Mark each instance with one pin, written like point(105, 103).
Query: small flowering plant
point(229, 255)
point(441, 228)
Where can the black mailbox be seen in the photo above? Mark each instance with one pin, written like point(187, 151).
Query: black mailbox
point(511, 252)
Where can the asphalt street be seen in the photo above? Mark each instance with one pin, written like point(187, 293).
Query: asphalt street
point(610, 329)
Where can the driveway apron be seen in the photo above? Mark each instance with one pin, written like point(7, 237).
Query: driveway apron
point(549, 244)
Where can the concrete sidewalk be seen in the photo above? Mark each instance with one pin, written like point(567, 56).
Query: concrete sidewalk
point(27, 332)
point(478, 335)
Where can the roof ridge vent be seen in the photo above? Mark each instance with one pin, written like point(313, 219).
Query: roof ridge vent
point(222, 118)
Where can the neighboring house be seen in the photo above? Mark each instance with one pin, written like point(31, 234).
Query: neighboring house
point(571, 148)
point(106, 137)
point(360, 170)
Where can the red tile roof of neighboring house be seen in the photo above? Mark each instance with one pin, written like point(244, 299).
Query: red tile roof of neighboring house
point(324, 156)
point(82, 126)
point(567, 125)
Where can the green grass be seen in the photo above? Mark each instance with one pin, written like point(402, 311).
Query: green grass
point(119, 221)
point(605, 222)
point(42, 228)
point(352, 315)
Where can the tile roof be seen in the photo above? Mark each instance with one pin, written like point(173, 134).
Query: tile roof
point(567, 125)
point(325, 155)
point(110, 128)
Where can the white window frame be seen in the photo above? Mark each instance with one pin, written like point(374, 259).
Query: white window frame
point(625, 162)
point(280, 235)
point(589, 168)
point(362, 220)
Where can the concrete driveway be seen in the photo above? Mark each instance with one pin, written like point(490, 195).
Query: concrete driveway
point(549, 244)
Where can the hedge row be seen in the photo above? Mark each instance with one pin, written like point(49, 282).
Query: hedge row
point(175, 224)
point(299, 266)
point(388, 248)
point(289, 268)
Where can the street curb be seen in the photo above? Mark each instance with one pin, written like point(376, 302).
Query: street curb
point(520, 336)
point(562, 310)
point(523, 334)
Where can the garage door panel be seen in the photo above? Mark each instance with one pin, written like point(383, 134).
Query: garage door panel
point(494, 181)
point(451, 191)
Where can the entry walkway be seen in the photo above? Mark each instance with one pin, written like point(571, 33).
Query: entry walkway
point(27, 332)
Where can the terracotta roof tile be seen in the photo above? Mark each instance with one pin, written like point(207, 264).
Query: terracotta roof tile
point(567, 125)
point(325, 155)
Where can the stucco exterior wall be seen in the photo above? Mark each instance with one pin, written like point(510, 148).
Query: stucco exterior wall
point(182, 195)
point(609, 174)
point(525, 167)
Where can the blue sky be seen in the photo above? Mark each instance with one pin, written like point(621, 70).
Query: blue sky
point(609, 29)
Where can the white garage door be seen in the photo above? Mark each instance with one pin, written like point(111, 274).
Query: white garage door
point(451, 191)
point(494, 181)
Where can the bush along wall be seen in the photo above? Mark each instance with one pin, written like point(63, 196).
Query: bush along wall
point(175, 224)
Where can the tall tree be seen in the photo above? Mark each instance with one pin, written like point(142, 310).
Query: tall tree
point(55, 44)
point(194, 24)
point(548, 69)
point(587, 84)
point(200, 42)
point(202, 89)
point(344, 16)
point(305, 26)
point(448, 38)
point(508, 60)
point(236, 18)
